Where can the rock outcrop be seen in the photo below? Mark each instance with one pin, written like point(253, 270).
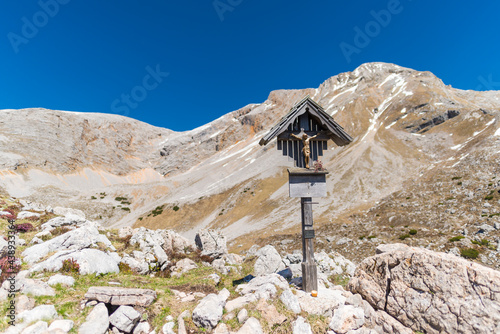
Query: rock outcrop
point(431, 292)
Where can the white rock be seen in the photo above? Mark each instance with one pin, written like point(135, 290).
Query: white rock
point(65, 325)
point(300, 326)
point(97, 322)
point(183, 266)
point(38, 328)
point(343, 241)
point(346, 318)
point(326, 301)
point(268, 261)
point(91, 261)
point(27, 214)
point(124, 318)
point(80, 238)
point(251, 326)
point(42, 312)
point(168, 328)
point(221, 329)
point(61, 279)
point(242, 316)
point(426, 286)
point(211, 243)
point(140, 267)
point(36, 241)
point(125, 232)
point(142, 328)
point(209, 311)
point(291, 301)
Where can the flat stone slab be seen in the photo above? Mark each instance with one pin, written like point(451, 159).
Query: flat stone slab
point(121, 296)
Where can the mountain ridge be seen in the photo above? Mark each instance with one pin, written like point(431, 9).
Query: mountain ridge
point(404, 123)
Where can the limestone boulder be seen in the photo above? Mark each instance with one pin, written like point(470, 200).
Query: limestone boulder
point(431, 292)
point(90, 261)
point(152, 243)
point(300, 326)
point(69, 221)
point(333, 264)
point(125, 318)
point(268, 261)
point(183, 266)
point(251, 326)
point(211, 243)
point(42, 312)
point(97, 322)
point(121, 296)
point(347, 318)
point(61, 279)
point(208, 312)
point(80, 238)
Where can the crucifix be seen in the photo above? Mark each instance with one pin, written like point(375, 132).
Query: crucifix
point(306, 151)
point(316, 128)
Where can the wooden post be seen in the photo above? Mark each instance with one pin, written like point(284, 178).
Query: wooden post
point(309, 270)
point(306, 184)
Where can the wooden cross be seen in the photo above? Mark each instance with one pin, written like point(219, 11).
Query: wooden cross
point(314, 123)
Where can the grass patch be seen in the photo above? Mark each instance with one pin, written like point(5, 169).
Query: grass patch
point(457, 238)
point(483, 242)
point(469, 253)
point(339, 279)
point(413, 232)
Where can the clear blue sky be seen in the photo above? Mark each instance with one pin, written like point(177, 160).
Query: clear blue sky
point(208, 58)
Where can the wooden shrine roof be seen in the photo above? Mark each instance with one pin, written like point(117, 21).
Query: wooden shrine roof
point(335, 131)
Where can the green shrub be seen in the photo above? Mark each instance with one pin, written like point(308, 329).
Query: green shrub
point(489, 197)
point(70, 266)
point(126, 209)
point(459, 183)
point(119, 199)
point(457, 238)
point(93, 197)
point(175, 208)
point(456, 178)
point(124, 268)
point(371, 237)
point(413, 232)
point(361, 237)
point(157, 211)
point(469, 253)
point(483, 242)
point(404, 236)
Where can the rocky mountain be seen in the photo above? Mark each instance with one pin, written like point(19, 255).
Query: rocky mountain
point(424, 158)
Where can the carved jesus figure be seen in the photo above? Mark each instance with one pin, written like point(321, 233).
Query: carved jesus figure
point(306, 150)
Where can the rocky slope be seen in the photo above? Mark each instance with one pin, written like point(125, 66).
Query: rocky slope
point(410, 130)
point(66, 274)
